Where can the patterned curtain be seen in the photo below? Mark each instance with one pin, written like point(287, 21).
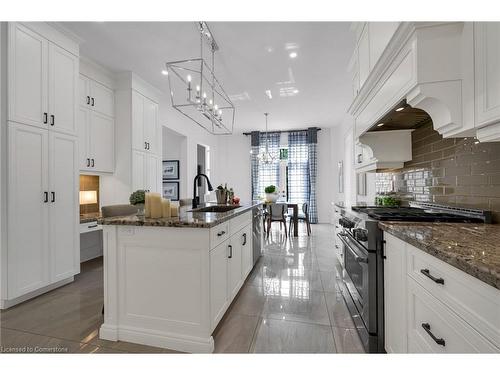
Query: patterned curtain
point(264, 174)
point(298, 168)
point(312, 142)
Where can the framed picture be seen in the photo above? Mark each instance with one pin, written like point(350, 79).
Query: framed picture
point(171, 190)
point(170, 169)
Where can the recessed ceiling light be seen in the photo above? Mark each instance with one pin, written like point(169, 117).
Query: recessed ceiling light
point(269, 95)
point(295, 91)
point(381, 124)
point(399, 109)
point(164, 72)
point(293, 55)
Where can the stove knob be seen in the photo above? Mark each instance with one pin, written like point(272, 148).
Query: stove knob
point(360, 234)
point(346, 223)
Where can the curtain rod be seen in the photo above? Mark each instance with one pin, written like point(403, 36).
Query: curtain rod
point(286, 131)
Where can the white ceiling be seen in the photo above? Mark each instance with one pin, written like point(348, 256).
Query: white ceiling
point(253, 58)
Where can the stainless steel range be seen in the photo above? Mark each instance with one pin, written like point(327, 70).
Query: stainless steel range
point(362, 258)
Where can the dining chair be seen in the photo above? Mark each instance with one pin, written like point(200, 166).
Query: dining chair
point(277, 212)
point(304, 216)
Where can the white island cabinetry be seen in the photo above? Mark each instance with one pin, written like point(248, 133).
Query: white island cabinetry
point(170, 286)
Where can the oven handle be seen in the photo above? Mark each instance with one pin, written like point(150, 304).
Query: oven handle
point(357, 258)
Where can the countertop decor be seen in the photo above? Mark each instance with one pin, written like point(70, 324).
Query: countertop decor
point(472, 248)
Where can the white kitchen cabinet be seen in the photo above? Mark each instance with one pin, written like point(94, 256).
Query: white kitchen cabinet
point(43, 81)
point(364, 56)
point(27, 55)
point(63, 206)
point(395, 295)
point(96, 129)
point(234, 265)
point(28, 209)
point(153, 170)
point(246, 250)
point(219, 289)
point(380, 36)
point(146, 172)
point(63, 89)
point(487, 79)
point(144, 124)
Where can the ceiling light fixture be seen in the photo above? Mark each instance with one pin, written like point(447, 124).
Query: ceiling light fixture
point(381, 124)
point(269, 95)
point(266, 157)
point(399, 109)
point(164, 72)
point(293, 55)
point(207, 102)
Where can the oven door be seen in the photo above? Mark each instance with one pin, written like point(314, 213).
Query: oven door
point(356, 275)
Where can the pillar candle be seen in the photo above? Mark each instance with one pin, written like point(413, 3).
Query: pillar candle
point(165, 205)
point(174, 210)
point(156, 209)
point(147, 205)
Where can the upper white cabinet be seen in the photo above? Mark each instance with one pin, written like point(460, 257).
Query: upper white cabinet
point(380, 36)
point(364, 56)
point(144, 123)
point(42, 81)
point(96, 127)
point(487, 80)
point(146, 172)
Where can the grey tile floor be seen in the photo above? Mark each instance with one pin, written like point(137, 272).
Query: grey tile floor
point(290, 303)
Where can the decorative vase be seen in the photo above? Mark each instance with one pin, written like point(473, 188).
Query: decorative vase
point(221, 196)
point(140, 209)
point(272, 197)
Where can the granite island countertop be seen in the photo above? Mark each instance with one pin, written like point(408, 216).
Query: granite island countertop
point(472, 248)
point(186, 218)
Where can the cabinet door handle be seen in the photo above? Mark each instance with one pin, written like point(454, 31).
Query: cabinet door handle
point(92, 102)
point(230, 251)
point(53, 196)
point(221, 233)
point(145, 145)
point(92, 226)
point(88, 99)
point(52, 120)
point(437, 280)
point(45, 119)
point(92, 163)
point(88, 162)
point(244, 239)
point(46, 196)
point(427, 328)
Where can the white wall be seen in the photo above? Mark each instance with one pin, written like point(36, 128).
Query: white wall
point(174, 147)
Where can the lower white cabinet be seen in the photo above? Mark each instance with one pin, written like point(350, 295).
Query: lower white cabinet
point(235, 279)
point(145, 171)
point(432, 307)
point(43, 202)
point(218, 282)
point(246, 251)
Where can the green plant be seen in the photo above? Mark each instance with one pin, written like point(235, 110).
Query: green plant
point(137, 197)
point(270, 189)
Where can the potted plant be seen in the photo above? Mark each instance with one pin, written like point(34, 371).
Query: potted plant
point(271, 193)
point(138, 199)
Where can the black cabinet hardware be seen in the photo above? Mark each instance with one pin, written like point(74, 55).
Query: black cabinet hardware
point(437, 280)
point(53, 196)
point(88, 99)
point(427, 328)
point(230, 251)
point(92, 226)
point(337, 246)
point(92, 163)
point(45, 119)
point(52, 120)
point(88, 162)
point(46, 196)
point(92, 102)
point(244, 239)
point(221, 233)
point(145, 145)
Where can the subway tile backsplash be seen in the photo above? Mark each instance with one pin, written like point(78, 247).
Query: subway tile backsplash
point(454, 171)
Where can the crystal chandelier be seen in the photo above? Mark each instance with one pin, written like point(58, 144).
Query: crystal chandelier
point(196, 92)
point(266, 157)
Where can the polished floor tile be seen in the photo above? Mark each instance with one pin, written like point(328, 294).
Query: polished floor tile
point(290, 303)
point(282, 336)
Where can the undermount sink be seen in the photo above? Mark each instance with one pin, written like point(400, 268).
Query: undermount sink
point(215, 209)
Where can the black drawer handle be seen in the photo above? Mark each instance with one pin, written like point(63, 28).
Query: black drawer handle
point(88, 162)
point(244, 239)
point(427, 328)
point(221, 233)
point(88, 99)
point(92, 102)
point(53, 196)
point(92, 163)
point(52, 120)
point(45, 119)
point(92, 226)
point(437, 280)
point(46, 196)
point(230, 251)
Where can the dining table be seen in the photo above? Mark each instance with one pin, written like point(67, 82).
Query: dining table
point(295, 215)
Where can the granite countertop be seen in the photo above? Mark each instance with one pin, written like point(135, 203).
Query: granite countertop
point(88, 218)
point(472, 248)
point(186, 218)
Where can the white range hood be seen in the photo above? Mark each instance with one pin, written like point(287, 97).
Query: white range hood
point(380, 150)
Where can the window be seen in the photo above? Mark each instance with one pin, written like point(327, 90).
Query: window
point(298, 168)
point(265, 174)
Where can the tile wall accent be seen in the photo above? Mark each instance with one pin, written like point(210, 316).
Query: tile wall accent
point(455, 171)
point(88, 182)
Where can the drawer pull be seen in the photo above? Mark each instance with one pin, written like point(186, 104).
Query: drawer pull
point(437, 280)
point(230, 251)
point(221, 233)
point(244, 239)
point(427, 328)
point(92, 226)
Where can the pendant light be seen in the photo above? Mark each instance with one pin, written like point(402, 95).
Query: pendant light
point(266, 157)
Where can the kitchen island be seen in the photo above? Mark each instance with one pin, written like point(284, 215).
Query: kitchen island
point(168, 282)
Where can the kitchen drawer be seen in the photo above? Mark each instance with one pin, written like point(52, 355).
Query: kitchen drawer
point(241, 221)
point(219, 234)
point(474, 301)
point(458, 336)
point(89, 227)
